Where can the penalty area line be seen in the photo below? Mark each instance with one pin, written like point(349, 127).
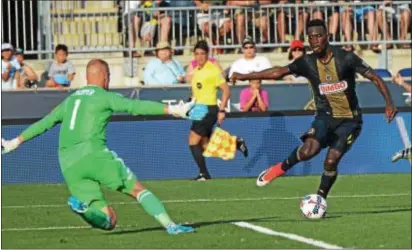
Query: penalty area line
point(289, 236)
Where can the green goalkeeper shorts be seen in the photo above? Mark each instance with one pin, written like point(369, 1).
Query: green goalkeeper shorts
point(85, 177)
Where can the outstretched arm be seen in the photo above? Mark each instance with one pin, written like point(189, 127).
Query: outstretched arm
point(268, 74)
point(118, 103)
point(390, 110)
point(34, 130)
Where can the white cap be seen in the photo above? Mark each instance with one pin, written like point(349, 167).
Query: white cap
point(6, 46)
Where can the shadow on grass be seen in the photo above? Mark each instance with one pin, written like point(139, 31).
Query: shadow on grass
point(195, 225)
point(330, 216)
point(387, 211)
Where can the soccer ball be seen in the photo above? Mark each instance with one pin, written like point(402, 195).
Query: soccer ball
point(313, 206)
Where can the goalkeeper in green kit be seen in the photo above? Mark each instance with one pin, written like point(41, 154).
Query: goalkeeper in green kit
point(85, 161)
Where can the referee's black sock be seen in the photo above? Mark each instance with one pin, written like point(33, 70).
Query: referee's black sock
point(197, 152)
point(291, 161)
point(326, 182)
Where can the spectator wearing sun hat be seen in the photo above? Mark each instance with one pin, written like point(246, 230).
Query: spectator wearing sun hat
point(296, 50)
point(163, 70)
point(28, 77)
point(10, 75)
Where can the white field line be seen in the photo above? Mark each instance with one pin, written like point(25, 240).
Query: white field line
point(294, 237)
point(220, 200)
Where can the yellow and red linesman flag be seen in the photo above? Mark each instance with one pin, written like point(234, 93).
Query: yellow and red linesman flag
point(221, 145)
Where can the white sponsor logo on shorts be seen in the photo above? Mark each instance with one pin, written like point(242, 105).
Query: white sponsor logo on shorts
point(332, 88)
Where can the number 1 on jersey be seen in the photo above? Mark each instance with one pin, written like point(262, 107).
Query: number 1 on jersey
point(74, 114)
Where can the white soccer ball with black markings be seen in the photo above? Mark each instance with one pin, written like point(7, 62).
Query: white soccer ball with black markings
point(313, 206)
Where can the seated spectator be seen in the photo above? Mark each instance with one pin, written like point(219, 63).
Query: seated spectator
point(297, 49)
point(260, 17)
point(254, 98)
point(250, 61)
point(216, 20)
point(163, 70)
point(61, 71)
point(365, 13)
point(131, 8)
point(193, 64)
point(28, 77)
point(403, 15)
point(10, 68)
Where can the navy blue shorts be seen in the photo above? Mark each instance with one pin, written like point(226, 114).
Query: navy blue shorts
point(339, 134)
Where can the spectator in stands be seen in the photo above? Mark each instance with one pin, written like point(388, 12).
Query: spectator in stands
point(254, 98)
point(61, 71)
point(193, 64)
point(28, 77)
point(362, 13)
point(134, 30)
point(250, 61)
point(10, 68)
point(286, 16)
point(403, 13)
point(261, 17)
point(296, 50)
point(318, 11)
point(163, 70)
point(216, 20)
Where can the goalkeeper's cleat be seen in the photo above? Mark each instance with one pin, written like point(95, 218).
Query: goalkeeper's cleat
point(241, 146)
point(76, 205)
point(179, 229)
point(269, 175)
point(403, 154)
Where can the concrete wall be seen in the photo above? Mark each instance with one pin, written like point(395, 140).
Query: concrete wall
point(398, 59)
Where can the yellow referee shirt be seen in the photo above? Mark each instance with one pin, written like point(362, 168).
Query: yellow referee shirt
point(205, 82)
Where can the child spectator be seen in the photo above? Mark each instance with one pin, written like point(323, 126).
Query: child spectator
point(10, 75)
point(28, 77)
point(254, 98)
point(61, 71)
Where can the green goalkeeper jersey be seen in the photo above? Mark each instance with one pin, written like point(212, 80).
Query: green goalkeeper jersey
point(83, 117)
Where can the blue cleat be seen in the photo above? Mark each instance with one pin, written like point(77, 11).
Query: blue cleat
point(179, 229)
point(76, 205)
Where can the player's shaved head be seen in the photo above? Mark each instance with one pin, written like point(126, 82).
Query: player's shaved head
point(97, 73)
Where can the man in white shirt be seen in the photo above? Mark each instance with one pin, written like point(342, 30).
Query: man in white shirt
point(250, 61)
point(10, 75)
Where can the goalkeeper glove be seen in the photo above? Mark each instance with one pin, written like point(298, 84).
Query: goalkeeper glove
point(7, 146)
point(188, 110)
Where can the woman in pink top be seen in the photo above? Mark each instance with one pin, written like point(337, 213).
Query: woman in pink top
point(253, 98)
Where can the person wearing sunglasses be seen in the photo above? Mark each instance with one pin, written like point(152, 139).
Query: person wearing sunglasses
point(297, 49)
point(250, 62)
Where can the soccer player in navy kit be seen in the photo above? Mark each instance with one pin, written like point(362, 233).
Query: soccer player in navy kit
point(338, 120)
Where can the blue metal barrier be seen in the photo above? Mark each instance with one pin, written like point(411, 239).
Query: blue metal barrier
point(158, 149)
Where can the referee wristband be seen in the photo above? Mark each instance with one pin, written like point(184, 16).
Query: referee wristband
point(222, 111)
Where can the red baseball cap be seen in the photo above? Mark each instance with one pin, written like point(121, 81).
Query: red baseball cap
point(296, 44)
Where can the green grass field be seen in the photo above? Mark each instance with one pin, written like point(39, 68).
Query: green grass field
point(364, 211)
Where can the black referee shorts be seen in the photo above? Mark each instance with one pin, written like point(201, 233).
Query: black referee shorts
point(205, 126)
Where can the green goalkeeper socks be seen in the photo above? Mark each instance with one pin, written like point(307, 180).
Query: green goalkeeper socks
point(96, 218)
point(153, 206)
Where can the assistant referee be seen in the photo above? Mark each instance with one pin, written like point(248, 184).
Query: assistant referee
point(207, 79)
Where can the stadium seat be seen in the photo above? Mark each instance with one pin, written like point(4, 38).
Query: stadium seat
point(406, 72)
point(384, 73)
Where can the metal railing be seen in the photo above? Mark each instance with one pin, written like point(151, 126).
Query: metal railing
point(92, 26)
